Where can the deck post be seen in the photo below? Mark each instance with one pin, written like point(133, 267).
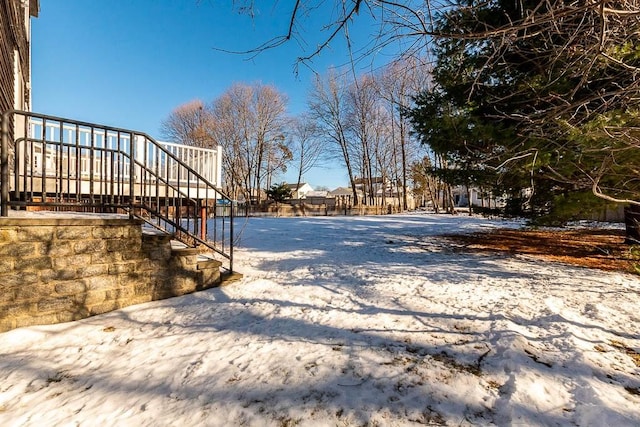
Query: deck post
point(132, 172)
point(203, 223)
point(4, 166)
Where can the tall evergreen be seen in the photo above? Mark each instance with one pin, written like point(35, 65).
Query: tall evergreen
point(534, 101)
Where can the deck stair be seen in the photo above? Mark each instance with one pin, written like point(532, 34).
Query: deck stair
point(53, 163)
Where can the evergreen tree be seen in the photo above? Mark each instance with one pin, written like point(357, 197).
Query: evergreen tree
point(536, 104)
point(279, 193)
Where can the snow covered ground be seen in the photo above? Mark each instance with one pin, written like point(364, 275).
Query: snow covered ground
point(346, 322)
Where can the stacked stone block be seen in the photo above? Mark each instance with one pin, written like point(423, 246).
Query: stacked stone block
point(56, 270)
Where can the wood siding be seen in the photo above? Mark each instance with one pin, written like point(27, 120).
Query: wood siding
point(13, 38)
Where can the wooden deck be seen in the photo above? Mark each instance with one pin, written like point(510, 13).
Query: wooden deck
point(85, 162)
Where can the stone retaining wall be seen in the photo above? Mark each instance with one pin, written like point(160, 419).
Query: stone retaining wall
point(56, 270)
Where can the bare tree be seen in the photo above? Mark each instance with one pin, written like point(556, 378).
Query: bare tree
point(189, 124)
point(278, 156)
point(364, 122)
point(361, 109)
point(405, 23)
point(307, 147)
point(271, 151)
point(327, 106)
point(385, 168)
point(249, 123)
point(398, 84)
point(230, 130)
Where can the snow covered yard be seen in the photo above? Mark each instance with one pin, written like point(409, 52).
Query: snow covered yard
point(346, 322)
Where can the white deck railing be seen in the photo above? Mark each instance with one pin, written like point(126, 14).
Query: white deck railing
point(95, 146)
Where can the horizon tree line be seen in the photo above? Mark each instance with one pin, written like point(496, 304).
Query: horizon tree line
point(359, 122)
point(534, 99)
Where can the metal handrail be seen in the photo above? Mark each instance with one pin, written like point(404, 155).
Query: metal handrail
point(61, 163)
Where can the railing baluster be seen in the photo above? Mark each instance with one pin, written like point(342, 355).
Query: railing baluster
point(92, 160)
point(188, 198)
point(57, 179)
point(112, 184)
point(43, 179)
point(4, 167)
point(117, 194)
point(156, 162)
point(166, 184)
point(78, 171)
point(215, 212)
point(28, 178)
point(25, 145)
point(132, 175)
point(119, 170)
point(103, 163)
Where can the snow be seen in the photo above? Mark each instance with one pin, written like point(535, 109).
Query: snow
point(346, 321)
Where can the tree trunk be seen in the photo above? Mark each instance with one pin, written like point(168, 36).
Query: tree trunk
point(403, 150)
point(632, 224)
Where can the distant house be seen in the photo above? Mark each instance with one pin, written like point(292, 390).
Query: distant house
point(344, 196)
point(378, 184)
point(300, 192)
point(321, 193)
point(383, 191)
point(380, 187)
point(319, 198)
point(341, 191)
point(461, 195)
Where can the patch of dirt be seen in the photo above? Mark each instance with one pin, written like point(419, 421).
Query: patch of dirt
point(595, 248)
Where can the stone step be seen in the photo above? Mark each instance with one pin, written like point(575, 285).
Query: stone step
point(227, 278)
point(207, 261)
point(205, 264)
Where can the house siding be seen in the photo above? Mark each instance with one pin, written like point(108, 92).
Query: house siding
point(14, 53)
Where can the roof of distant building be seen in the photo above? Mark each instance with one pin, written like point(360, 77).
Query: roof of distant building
point(321, 193)
point(295, 187)
point(374, 180)
point(342, 191)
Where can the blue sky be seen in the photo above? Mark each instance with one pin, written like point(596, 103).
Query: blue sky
point(129, 63)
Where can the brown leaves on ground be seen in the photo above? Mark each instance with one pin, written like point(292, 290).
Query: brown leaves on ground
point(595, 248)
point(634, 355)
